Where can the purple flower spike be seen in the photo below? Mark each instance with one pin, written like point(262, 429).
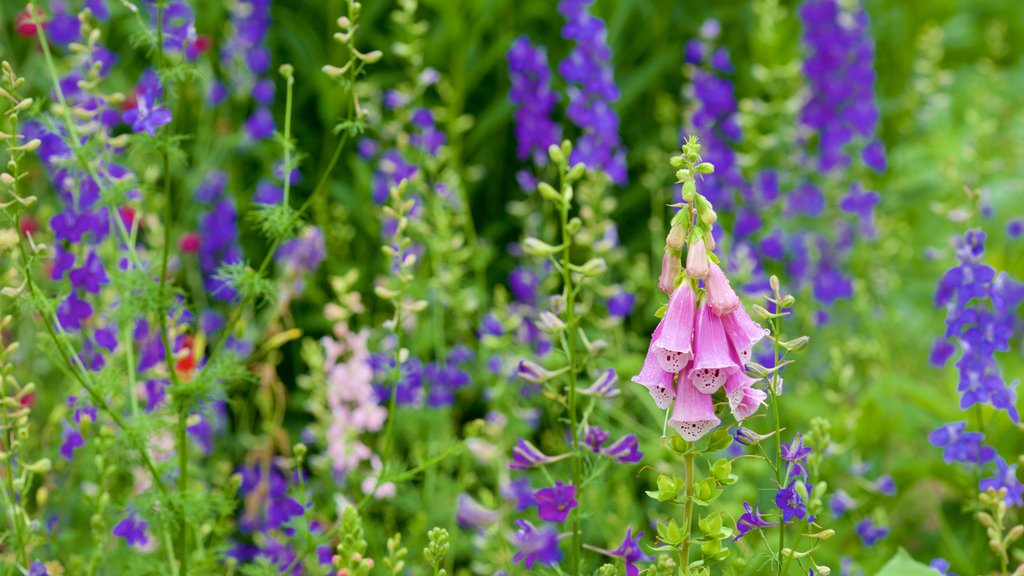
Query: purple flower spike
point(790, 503)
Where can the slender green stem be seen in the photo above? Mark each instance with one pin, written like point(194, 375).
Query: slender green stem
point(777, 409)
point(684, 552)
point(789, 560)
point(290, 81)
point(570, 316)
point(9, 479)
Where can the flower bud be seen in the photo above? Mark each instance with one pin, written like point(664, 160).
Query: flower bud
point(594, 267)
point(697, 259)
point(555, 153)
point(675, 238)
point(549, 193)
point(539, 248)
point(670, 267)
point(549, 323)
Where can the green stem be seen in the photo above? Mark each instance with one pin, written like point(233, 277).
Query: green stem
point(570, 315)
point(789, 560)
point(684, 552)
point(288, 138)
point(777, 325)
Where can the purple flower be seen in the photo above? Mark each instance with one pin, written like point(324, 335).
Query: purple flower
point(534, 100)
point(555, 503)
point(305, 253)
point(535, 545)
point(260, 125)
point(524, 285)
point(1005, 477)
point(132, 529)
point(72, 311)
point(629, 551)
point(869, 533)
point(796, 454)
point(604, 386)
point(625, 451)
point(885, 485)
point(520, 491)
point(621, 304)
point(38, 569)
point(592, 91)
point(472, 514)
point(841, 503)
point(750, 520)
point(73, 440)
point(790, 503)
point(1015, 228)
point(525, 456)
point(148, 115)
point(941, 566)
point(91, 276)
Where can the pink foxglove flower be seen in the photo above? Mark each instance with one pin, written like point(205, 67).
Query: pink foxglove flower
point(697, 260)
point(659, 383)
point(743, 333)
point(673, 346)
point(670, 267)
point(721, 295)
point(744, 399)
point(694, 413)
point(713, 359)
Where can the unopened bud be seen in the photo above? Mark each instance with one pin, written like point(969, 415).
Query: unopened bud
point(675, 238)
point(539, 248)
point(555, 153)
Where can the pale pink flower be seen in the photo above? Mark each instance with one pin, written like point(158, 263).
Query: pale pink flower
point(694, 413)
point(713, 359)
point(350, 399)
point(721, 295)
point(673, 344)
point(697, 260)
point(670, 267)
point(658, 382)
point(743, 333)
point(744, 399)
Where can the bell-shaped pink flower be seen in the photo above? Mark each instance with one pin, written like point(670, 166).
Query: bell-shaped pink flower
point(744, 399)
point(743, 333)
point(712, 359)
point(670, 267)
point(721, 295)
point(697, 260)
point(694, 413)
point(673, 344)
point(659, 383)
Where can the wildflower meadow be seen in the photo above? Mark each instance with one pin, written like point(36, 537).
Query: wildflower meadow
point(457, 287)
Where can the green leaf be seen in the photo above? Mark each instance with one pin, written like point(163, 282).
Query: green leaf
point(903, 564)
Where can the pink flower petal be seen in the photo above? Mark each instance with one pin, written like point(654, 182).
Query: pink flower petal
point(713, 359)
point(694, 413)
point(720, 293)
point(673, 343)
point(743, 333)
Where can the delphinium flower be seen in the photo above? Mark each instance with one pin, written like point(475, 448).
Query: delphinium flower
point(555, 502)
point(535, 545)
point(750, 520)
point(534, 101)
point(979, 304)
point(301, 256)
point(592, 91)
point(147, 114)
point(629, 552)
point(713, 116)
point(246, 60)
point(132, 529)
point(870, 533)
point(218, 235)
point(841, 74)
point(472, 514)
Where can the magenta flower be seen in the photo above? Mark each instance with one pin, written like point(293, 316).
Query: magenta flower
point(712, 360)
point(554, 503)
point(694, 413)
point(697, 260)
point(659, 383)
point(670, 268)
point(722, 297)
point(743, 333)
point(472, 514)
point(673, 346)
